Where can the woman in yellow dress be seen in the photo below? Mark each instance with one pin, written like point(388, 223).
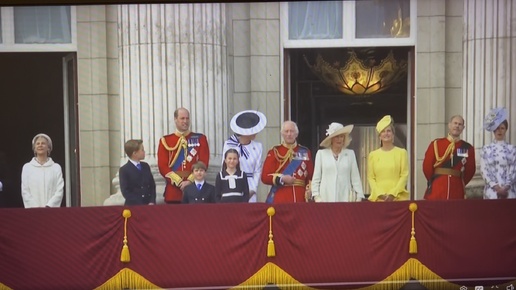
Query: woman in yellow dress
point(387, 166)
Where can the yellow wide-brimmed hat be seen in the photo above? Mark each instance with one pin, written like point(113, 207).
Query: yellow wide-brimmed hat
point(385, 122)
point(336, 129)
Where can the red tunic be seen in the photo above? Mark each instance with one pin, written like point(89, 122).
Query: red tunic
point(189, 149)
point(273, 170)
point(460, 162)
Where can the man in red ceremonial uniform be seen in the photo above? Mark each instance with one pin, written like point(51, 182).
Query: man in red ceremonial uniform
point(177, 153)
point(288, 167)
point(449, 164)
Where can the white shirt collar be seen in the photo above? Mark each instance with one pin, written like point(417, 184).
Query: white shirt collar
point(134, 162)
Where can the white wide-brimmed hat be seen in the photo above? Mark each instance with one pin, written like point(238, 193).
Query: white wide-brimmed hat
point(336, 129)
point(494, 119)
point(248, 122)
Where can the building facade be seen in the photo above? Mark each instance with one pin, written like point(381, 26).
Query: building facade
point(126, 68)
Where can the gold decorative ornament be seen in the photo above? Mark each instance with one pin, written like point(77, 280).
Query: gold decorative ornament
point(271, 250)
point(125, 257)
point(358, 78)
point(413, 243)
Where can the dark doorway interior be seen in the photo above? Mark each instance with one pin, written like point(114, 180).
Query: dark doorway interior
point(31, 103)
point(314, 105)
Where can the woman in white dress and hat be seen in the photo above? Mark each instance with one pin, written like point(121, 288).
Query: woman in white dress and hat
point(498, 159)
point(336, 177)
point(245, 125)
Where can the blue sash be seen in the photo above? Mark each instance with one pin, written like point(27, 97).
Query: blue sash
point(294, 164)
point(192, 142)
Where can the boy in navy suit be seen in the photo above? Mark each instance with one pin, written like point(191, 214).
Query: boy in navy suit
point(200, 191)
point(136, 180)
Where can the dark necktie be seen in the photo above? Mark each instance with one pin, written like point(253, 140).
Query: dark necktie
point(139, 166)
point(199, 186)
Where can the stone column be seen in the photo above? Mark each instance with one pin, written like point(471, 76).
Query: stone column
point(171, 55)
point(489, 75)
point(431, 78)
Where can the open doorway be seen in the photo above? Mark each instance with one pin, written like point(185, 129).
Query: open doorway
point(32, 102)
point(314, 103)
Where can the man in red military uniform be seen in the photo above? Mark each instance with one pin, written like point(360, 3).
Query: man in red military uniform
point(177, 153)
point(449, 164)
point(288, 167)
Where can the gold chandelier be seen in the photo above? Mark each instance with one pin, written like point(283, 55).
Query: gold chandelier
point(358, 78)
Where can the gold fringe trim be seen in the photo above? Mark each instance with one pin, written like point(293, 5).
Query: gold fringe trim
point(415, 270)
point(271, 249)
point(125, 257)
point(4, 287)
point(127, 279)
point(271, 274)
point(413, 243)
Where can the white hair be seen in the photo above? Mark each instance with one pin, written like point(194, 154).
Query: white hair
point(290, 122)
point(44, 136)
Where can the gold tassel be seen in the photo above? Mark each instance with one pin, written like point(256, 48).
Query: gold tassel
point(413, 243)
point(271, 250)
point(125, 257)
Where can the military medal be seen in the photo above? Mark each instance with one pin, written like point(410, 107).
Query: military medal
point(462, 152)
point(193, 142)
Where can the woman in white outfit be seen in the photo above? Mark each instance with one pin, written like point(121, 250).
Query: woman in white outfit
point(42, 179)
point(246, 124)
point(336, 177)
point(498, 159)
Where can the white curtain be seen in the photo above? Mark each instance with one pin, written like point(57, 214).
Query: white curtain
point(315, 20)
point(42, 24)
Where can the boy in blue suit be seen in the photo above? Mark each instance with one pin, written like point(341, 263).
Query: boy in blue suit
point(199, 191)
point(136, 180)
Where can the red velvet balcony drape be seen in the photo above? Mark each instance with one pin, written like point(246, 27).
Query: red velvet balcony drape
point(330, 246)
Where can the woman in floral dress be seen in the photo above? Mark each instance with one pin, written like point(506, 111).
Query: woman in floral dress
point(498, 159)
